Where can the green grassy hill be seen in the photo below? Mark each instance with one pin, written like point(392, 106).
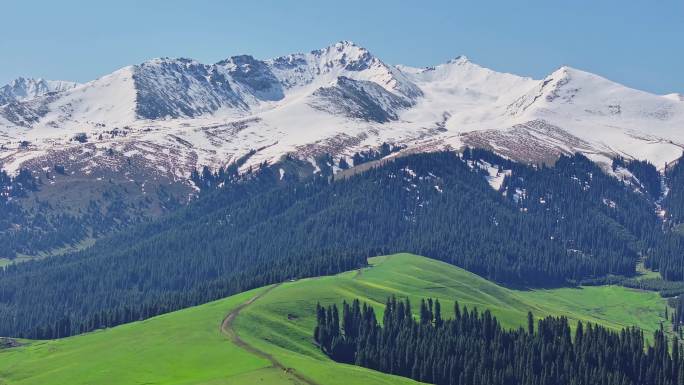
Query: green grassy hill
point(269, 340)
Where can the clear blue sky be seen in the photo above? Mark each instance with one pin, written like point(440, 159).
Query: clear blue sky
point(635, 42)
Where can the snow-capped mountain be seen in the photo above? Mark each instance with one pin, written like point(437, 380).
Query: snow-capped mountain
point(675, 97)
point(175, 115)
point(23, 89)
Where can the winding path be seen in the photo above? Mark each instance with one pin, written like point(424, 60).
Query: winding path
point(227, 330)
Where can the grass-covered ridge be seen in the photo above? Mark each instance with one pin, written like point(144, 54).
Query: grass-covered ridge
point(187, 347)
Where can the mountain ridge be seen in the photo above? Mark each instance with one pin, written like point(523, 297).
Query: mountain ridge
point(181, 114)
point(22, 89)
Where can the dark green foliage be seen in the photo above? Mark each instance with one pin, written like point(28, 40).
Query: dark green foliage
point(343, 165)
point(678, 315)
point(674, 201)
point(646, 173)
point(592, 212)
point(668, 255)
point(473, 348)
point(16, 187)
point(258, 230)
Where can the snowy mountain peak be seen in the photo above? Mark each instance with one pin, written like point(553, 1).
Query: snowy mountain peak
point(567, 72)
point(564, 85)
point(345, 48)
point(238, 60)
point(460, 59)
point(346, 43)
point(345, 58)
point(23, 89)
point(180, 61)
point(345, 55)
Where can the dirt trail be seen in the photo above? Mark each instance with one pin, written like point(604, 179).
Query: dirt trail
point(230, 333)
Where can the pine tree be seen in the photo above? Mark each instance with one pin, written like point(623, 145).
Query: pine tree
point(530, 323)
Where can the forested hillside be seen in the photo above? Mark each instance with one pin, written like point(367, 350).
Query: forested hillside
point(668, 257)
point(539, 228)
point(25, 232)
point(45, 211)
point(674, 201)
point(593, 213)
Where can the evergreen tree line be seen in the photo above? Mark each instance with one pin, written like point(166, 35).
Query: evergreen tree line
point(668, 255)
point(674, 200)
point(474, 349)
point(259, 230)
